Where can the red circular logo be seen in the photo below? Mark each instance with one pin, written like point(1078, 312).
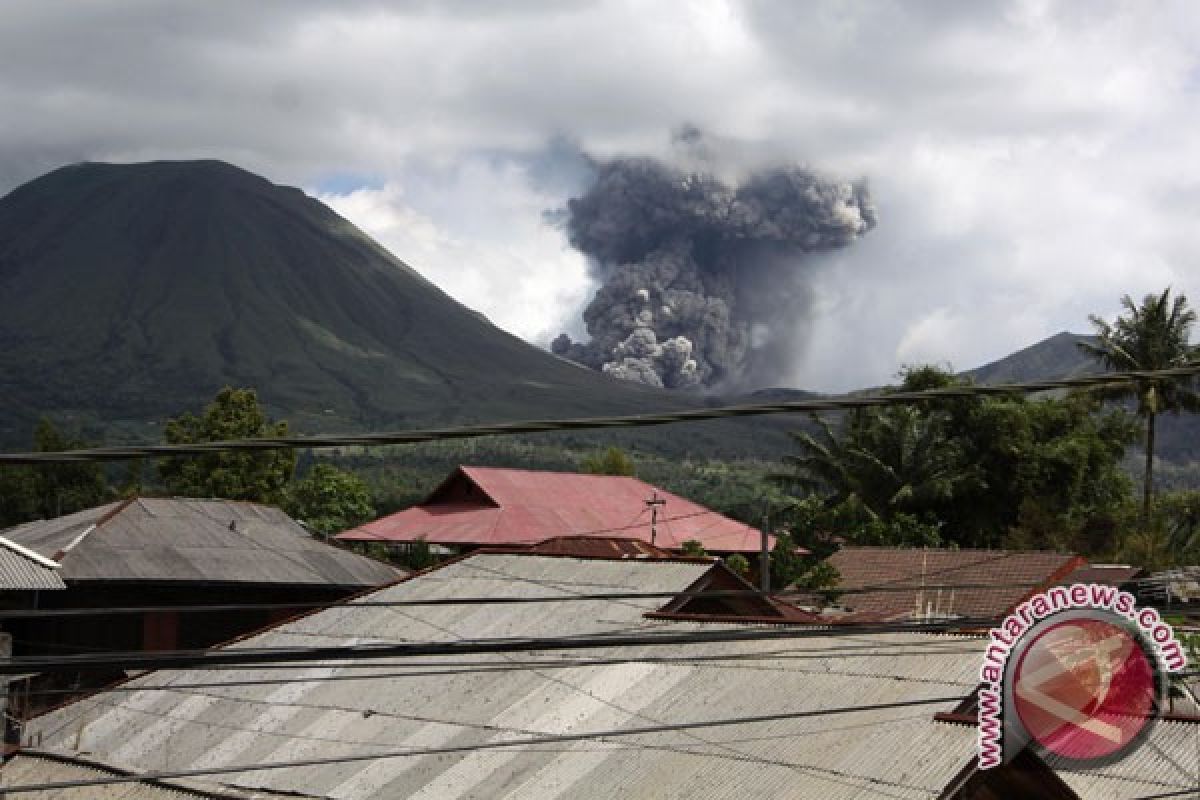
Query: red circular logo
point(1085, 689)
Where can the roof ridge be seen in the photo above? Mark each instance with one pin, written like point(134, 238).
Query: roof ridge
point(104, 519)
point(35, 557)
point(981, 550)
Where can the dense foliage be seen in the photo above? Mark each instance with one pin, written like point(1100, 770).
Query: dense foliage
point(973, 472)
point(50, 490)
point(613, 461)
point(1155, 335)
point(254, 475)
point(329, 500)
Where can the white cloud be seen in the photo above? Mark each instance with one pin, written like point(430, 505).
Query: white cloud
point(480, 236)
point(1032, 160)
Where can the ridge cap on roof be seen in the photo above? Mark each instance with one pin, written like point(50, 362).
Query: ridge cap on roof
point(32, 555)
point(224, 500)
point(980, 550)
point(468, 468)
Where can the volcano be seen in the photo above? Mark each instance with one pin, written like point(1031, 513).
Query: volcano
point(132, 292)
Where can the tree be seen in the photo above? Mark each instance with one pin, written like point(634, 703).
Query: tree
point(786, 564)
point(1049, 467)
point(418, 555)
point(66, 488)
point(898, 460)
point(737, 563)
point(329, 500)
point(965, 471)
point(613, 461)
point(693, 548)
point(1152, 336)
point(252, 475)
point(51, 490)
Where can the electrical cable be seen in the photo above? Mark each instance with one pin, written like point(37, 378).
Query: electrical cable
point(843, 403)
point(731, 661)
point(43, 613)
point(139, 660)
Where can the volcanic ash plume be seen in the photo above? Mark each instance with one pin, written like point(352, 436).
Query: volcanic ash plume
point(702, 283)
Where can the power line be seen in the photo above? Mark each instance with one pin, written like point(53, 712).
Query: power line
point(844, 403)
point(43, 613)
point(138, 660)
point(479, 746)
point(729, 661)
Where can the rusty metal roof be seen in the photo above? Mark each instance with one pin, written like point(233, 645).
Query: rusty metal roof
point(898, 752)
point(200, 541)
point(1007, 575)
point(484, 506)
point(599, 547)
point(23, 569)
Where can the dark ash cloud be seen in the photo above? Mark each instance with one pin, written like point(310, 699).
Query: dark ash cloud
point(702, 281)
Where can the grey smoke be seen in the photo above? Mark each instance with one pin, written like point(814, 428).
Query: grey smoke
point(702, 282)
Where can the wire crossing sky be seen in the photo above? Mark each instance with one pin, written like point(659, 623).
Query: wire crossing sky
point(845, 403)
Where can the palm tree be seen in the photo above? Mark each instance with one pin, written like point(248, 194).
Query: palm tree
point(1154, 335)
point(893, 461)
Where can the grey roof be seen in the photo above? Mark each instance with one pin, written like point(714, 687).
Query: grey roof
point(173, 539)
point(891, 753)
point(897, 753)
point(23, 569)
point(1166, 763)
point(32, 767)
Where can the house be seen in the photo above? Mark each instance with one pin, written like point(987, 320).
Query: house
point(24, 577)
point(24, 573)
point(895, 583)
point(491, 507)
point(167, 554)
point(415, 731)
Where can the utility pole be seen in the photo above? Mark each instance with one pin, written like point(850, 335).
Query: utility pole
point(653, 503)
point(764, 556)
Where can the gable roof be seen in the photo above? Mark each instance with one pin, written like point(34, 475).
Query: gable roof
point(1008, 576)
point(900, 751)
point(485, 506)
point(148, 539)
point(23, 569)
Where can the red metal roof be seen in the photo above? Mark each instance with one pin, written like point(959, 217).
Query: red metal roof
point(485, 506)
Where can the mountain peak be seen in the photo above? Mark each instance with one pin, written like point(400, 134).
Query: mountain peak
point(1057, 356)
point(136, 291)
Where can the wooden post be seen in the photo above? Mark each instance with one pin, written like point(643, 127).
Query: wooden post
point(654, 503)
point(764, 559)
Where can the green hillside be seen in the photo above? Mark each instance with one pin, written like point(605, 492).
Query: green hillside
point(131, 292)
point(1056, 357)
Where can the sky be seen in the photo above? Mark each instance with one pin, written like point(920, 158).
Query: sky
point(1031, 162)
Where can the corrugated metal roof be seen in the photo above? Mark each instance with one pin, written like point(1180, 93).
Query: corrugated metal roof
point(1180, 584)
point(892, 753)
point(512, 506)
point(1015, 574)
point(1168, 761)
point(32, 767)
point(21, 569)
point(1107, 574)
point(211, 541)
point(599, 547)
